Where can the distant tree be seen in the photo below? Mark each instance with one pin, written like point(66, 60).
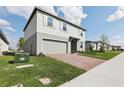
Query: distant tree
point(104, 40)
point(20, 44)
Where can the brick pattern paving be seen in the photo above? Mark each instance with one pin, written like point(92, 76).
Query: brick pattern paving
point(82, 62)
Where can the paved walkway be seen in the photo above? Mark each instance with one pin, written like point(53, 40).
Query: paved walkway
point(108, 74)
point(82, 62)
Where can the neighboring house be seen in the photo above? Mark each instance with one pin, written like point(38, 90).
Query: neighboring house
point(4, 43)
point(47, 33)
point(97, 45)
point(89, 45)
point(109, 47)
point(115, 48)
point(105, 47)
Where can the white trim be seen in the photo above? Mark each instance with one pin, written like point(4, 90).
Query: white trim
point(45, 19)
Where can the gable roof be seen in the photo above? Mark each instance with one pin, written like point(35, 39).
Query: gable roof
point(3, 37)
point(90, 42)
point(46, 12)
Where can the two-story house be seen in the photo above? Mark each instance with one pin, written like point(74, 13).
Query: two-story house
point(47, 33)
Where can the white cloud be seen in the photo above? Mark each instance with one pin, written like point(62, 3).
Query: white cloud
point(4, 23)
point(25, 11)
point(49, 9)
point(20, 10)
point(6, 33)
point(116, 36)
point(118, 14)
point(117, 40)
point(10, 29)
point(74, 14)
point(3, 11)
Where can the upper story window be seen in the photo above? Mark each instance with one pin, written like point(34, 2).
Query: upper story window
point(80, 32)
point(63, 26)
point(50, 21)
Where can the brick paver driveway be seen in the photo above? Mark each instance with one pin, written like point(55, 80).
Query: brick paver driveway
point(82, 62)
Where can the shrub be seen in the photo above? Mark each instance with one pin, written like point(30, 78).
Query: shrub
point(8, 53)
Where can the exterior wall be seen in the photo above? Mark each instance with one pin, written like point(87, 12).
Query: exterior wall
point(82, 39)
point(109, 48)
point(30, 36)
point(31, 28)
point(106, 47)
point(99, 46)
point(31, 45)
point(55, 30)
point(114, 48)
point(89, 44)
point(94, 46)
point(3, 46)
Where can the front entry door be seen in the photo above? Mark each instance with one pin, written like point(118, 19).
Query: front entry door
point(73, 46)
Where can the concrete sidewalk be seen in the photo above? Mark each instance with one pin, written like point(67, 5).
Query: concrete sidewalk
point(108, 74)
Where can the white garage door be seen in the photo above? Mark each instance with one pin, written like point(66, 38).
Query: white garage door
point(50, 46)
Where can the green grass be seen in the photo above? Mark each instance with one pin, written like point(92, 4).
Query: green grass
point(101, 55)
point(58, 71)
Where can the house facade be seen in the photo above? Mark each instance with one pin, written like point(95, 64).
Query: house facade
point(115, 48)
point(109, 47)
point(98, 45)
point(47, 33)
point(4, 43)
point(90, 44)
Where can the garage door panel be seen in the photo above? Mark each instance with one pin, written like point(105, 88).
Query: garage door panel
point(50, 46)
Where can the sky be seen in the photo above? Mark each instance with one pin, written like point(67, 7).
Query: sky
point(97, 20)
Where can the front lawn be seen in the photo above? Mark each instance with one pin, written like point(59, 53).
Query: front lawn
point(58, 71)
point(102, 55)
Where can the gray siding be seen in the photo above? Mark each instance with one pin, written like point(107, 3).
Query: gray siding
point(30, 45)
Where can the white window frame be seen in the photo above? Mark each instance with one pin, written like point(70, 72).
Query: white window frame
point(50, 20)
point(45, 19)
point(62, 26)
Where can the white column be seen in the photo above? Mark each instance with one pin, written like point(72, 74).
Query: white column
point(69, 47)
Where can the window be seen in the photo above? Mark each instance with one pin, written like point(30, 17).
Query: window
point(81, 46)
point(64, 26)
point(81, 34)
point(50, 21)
